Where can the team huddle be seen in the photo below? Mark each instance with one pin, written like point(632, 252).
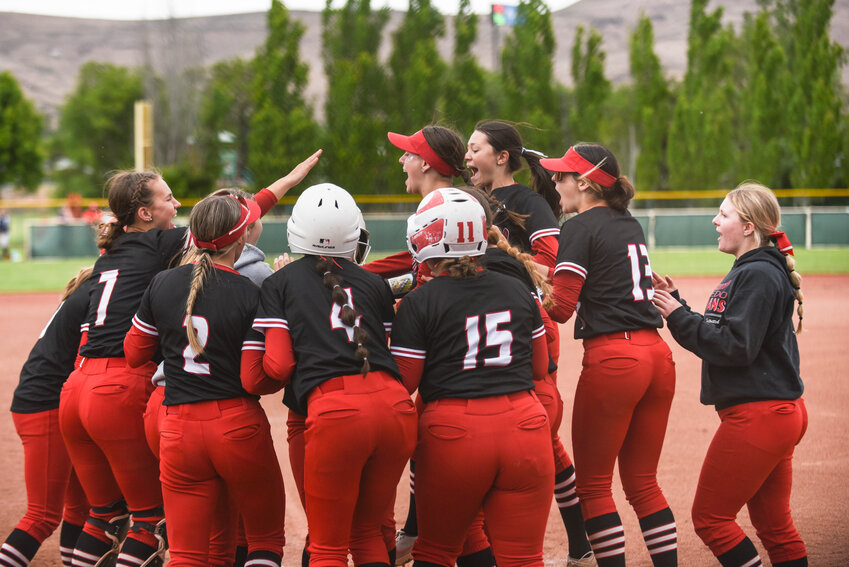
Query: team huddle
point(139, 411)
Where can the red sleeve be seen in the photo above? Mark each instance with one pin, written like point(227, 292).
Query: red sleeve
point(545, 250)
point(279, 359)
point(254, 378)
point(411, 371)
point(552, 334)
point(567, 287)
point(139, 347)
point(540, 358)
point(266, 200)
point(391, 266)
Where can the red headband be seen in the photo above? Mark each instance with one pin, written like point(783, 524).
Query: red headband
point(783, 243)
point(417, 144)
point(250, 213)
point(572, 162)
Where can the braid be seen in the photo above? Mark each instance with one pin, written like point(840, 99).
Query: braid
point(462, 268)
point(203, 267)
point(349, 317)
point(796, 282)
point(528, 262)
point(108, 233)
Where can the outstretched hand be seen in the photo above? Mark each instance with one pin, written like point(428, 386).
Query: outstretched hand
point(662, 282)
point(282, 260)
point(664, 302)
point(282, 185)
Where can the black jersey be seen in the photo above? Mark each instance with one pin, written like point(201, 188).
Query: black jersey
point(608, 249)
point(294, 298)
point(525, 201)
point(475, 335)
point(745, 338)
point(51, 360)
point(119, 279)
point(497, 260)
point(222, 316)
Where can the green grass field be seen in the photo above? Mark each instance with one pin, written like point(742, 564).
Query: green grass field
point(52, 275)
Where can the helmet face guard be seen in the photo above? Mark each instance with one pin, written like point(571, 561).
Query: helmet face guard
point(363, 244)
point(448, 223)
point(325, 221)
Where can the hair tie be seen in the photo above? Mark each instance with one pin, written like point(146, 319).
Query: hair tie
point(533, 153)
point(783, 242)
point(327, 273)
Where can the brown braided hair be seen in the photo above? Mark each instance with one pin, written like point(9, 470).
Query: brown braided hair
point(349, 316)
point(127, 192)
point(76, 281)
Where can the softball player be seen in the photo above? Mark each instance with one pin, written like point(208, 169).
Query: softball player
point(214, 436)
point(750, 373)
point(494, 155)
point(361, 423)
point(472, 341)
point(628, 379)
point(432, 157)
point(50, 481)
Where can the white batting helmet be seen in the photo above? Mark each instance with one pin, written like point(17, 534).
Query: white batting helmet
point(326, 221)
point(448, 223)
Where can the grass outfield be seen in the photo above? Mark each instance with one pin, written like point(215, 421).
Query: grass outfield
point(52, 275)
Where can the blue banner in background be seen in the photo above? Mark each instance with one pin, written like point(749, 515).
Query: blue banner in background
point(504, 14)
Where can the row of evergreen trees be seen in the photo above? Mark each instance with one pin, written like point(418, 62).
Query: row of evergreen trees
point(764, 102)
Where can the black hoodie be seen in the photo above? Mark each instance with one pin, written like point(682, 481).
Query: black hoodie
point(745, 338)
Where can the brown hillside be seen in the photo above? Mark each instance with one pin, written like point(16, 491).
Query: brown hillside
point(45, 53)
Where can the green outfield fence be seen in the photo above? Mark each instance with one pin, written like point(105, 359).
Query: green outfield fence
point(385, 215)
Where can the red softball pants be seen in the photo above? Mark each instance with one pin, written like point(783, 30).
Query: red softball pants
point(749, 462)
point(207, 448)
point(53, 490)
point(360, 433)
point(101, 415)
point(222, 537)
point(493, 454)
point(621, 410)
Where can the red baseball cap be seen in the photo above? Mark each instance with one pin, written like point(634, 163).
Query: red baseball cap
point(417, 144)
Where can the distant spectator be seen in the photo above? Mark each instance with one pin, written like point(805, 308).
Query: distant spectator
point(5, 226)
point(73, 208)
point(92, 214)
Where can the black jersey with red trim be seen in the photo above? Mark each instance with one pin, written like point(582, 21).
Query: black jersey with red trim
point(294, 298)
point(608, 249)
point(119, 279)
point(222, 316)
point(497, 260)
point(475, 335)
point(51, 360)
point(540, 219)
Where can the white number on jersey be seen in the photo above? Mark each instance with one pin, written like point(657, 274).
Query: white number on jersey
point(501, 338)
point(44, 330)
point(110, 278)
point(336, 316)
point(190, 364)
point(638, 272)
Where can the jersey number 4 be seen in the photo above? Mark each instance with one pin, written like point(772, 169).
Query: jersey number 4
point(640, 269)
point(493, 337)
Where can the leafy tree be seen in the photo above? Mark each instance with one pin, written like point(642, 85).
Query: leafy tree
point(701, 151)
point(652, 108)
point(417, 69)
point(527, 74)
point(592, 89)
point(355, 111)
point(21, 151)
point(465, 96)
point(283, 130)
point(818, 131)
point(225, 111)
point(764, 143)
point(96, 126)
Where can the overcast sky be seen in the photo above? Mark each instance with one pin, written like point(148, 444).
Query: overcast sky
point(158, 9)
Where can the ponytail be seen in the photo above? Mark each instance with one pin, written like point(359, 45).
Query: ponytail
point(540, 281)
point(76, 281)
point(541, 181)
point(349, 317)
point(202, 268)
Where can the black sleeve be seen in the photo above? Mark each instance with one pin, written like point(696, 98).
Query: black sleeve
point(736, 338)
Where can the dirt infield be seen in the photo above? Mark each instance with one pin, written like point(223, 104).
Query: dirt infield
point(820, 494)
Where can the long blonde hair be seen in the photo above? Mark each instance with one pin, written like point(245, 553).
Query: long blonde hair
point(756, 204)
point(209, 219)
